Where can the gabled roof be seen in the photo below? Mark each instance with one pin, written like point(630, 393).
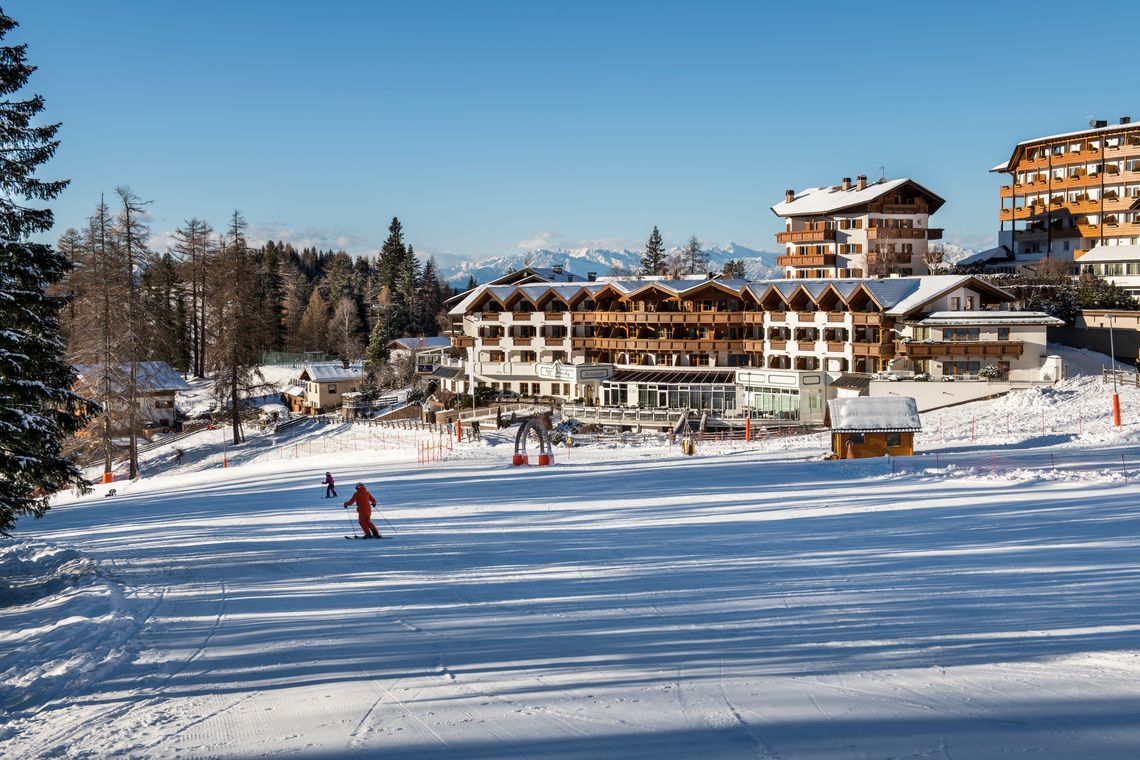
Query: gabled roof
point(419, 344)
point(1000, 253)
point(150, 377)
point(874, 414)
point(897, 296)
point(332, 372)
point(947, 318)
point(1089, 132)
point(827, 200)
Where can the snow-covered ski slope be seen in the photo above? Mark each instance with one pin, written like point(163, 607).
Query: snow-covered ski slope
point(749, 602)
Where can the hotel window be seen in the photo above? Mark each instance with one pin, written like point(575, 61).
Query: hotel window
point(1003, 333)
point(955, 303)
point(969, 334)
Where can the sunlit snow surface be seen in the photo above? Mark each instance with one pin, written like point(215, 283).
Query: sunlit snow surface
point(748, 602)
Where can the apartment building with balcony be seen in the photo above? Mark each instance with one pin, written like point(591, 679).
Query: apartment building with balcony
point(857, 229)
point(1066, 196)
point(726, 346)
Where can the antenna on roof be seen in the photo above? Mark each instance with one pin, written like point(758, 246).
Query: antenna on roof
point(882, 174)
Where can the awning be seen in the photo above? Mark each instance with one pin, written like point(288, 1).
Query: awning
point(673, 376)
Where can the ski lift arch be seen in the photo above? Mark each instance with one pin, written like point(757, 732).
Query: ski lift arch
point(545, 450)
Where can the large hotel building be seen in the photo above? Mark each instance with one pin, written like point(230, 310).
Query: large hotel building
point(1071, 199)
point(773, 349)
point(857, 229)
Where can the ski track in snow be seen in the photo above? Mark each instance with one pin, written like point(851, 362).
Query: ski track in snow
point(744, 603)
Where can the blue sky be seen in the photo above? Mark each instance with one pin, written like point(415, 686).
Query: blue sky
point(490, 127)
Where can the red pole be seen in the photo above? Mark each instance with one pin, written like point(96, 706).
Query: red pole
point(1116, 409)
point(747, 429)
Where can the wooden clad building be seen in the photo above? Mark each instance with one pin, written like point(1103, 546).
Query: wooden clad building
point(873, 427)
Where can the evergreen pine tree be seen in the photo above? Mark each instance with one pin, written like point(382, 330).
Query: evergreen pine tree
point(393, 254)
point(38, 409)
point(430, 300)
point(472, 283)
point(653, 260)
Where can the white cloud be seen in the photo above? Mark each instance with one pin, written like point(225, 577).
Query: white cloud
point(259, 233)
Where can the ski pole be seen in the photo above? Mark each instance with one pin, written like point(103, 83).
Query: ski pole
point(390, 525)
point(353, 524)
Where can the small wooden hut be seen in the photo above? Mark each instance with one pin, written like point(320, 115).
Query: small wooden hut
point(873, 426)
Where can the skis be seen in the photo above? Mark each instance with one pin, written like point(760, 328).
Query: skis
point(371, 539)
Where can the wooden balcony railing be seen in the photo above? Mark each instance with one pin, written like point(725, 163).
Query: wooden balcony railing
point(661, 317)
point(904, 233)
point(873, 349)
point(806, 260)
point(995, 349)
point(463, 341)
point(860, 318)
point(664, 344)
point(805, 236)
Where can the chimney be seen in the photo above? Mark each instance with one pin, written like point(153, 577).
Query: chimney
point(789, 196)
point(557, 269)
point(344, 363)
point(861, 182)
point(710, 275)
point(1125, 119)
point(591, 276)
point(1097, 123)
point(846, 183)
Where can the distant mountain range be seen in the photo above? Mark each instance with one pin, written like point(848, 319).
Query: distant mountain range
point(758, 265)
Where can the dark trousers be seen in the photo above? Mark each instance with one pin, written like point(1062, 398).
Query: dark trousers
point(330, 490)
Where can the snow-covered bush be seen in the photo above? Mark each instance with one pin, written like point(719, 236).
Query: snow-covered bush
point(989, 372)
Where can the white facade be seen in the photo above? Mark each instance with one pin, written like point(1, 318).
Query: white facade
point(857, 229)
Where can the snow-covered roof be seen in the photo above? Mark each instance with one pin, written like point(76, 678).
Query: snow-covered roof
point(1001, 253)
point(332, 372)
point(1110, 253)
point(940, 318)
point(891, 414)
point(420, 344)
point(152, 377)
point(825, 200)
point(1064, 135)
point(898, 296)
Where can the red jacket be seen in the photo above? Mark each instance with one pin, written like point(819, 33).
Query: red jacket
point(364, 500)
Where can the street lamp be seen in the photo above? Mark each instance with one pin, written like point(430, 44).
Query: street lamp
point(1112, 360)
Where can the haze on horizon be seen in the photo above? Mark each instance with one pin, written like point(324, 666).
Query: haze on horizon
point(504, 127)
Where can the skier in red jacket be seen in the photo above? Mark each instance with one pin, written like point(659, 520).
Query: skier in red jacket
point(364, 504)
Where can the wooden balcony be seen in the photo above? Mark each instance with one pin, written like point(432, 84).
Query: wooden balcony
point(1005, 191)
point(904, 233)
point(492, 316)
point(885, 350)
point(836, 347)
point(660, 317)
point(490, 341)
point(805, 236)
point(778, 345)
point(806, 260)
point(860, 318)
point(463, 341)
point(1109, 230)
point(522, 342)
point(988, 349)
point(753, 346)
point(519, 316)
point(836, 316)
point(654, 345)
